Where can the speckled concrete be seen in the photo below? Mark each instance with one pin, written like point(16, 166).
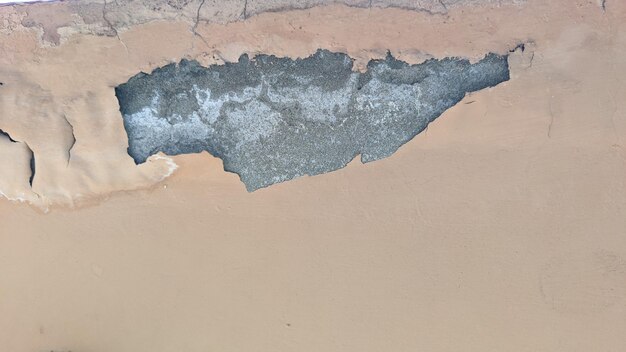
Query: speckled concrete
point(273, 119)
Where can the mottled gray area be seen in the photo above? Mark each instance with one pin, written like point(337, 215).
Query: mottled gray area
point(111, 17)
point(272, 119)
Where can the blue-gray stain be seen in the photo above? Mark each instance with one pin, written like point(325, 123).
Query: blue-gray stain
point(272, 119)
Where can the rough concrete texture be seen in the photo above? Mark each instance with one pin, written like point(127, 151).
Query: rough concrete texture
point(272, 119)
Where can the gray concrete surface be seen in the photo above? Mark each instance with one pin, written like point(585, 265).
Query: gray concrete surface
point(272, 119)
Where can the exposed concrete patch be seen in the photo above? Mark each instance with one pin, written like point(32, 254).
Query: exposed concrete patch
point(273, 119)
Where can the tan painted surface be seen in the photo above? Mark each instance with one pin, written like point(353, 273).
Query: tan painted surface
point(500, 228)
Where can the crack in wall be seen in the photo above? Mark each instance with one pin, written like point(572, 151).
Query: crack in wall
point(110, 25)
point(443, 5)
point(273, 119)
point(32, 165)
point(32, 157)
point(197, 19)
point(2, 133)
point(194, 28)
point(69, 150)
point(111, 18)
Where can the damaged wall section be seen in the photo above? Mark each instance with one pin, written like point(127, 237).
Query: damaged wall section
point(272, 119)
point(18, 171)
